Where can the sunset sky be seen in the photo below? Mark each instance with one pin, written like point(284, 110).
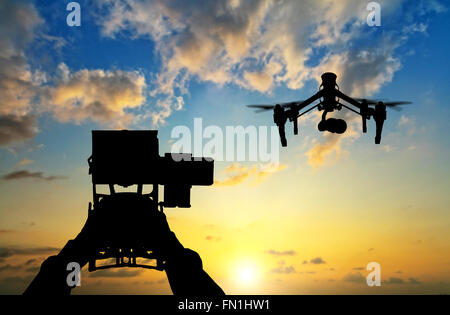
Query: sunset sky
point(312, 224)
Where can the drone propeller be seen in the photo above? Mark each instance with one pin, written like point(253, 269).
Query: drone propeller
point(393, 105)
point(368, 101)
point(265, 107)
point(261, 108)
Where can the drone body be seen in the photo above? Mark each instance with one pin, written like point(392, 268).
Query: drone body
point(330, 98)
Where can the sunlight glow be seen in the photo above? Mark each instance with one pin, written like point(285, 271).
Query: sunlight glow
point(246, 274)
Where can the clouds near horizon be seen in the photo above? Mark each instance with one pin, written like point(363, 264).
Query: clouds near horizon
point(24, 174)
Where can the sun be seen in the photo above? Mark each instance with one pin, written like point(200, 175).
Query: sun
point(246, 273)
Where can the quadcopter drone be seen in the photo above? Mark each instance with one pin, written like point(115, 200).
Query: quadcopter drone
point(330, 98)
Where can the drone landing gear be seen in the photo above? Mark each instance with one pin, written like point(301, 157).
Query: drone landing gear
point(282, 135)
point(296, 126)
point(379, 125)
point(280, 119)
point(379, 117)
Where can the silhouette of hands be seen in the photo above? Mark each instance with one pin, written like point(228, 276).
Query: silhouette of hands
point(88, 231)
point(161, 236)
point(149, 227)
point(183, 266)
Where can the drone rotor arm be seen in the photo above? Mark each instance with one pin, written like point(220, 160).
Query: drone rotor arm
point(309, 101)
point(348, 99)
point(349, 108)
point(307, 111)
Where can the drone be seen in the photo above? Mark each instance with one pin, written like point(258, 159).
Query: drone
point(330, 97)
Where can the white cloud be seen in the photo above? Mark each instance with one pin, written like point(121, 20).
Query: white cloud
point(18, 22)
point(102, 96)
point(254, 44)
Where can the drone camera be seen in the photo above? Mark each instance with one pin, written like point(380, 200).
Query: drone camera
point(333, 125)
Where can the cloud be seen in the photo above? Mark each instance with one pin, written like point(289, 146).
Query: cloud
point(416, 27)
point(266, 171)
point(101, 96)
point(283, 269)
point(414, 281)
point(393, 280)
point(254, 44)
point(9, 267)
point(33, 269)
point(24, 162)
point(308, 272)
point(212, 238)
point(320, 151)
point(16, 128)
point(6, 252)
point(281, 253)
point(237, 174)
point(18, 22)
point(259, 81)
point(331, 145)
point(317, 261)
point(408, 123)
point(403, 120)
point(17, 280)
point(354, 277)
point(26, 174)
point(121, 273)
point(387, 148)
point(362, 72)
point(257, 45)
point(98, 95)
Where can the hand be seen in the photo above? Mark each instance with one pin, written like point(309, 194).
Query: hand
point(138, 223)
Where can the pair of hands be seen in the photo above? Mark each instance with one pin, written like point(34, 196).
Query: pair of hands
point(151, 228)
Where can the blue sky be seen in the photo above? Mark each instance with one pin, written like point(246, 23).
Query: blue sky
point(86, 48)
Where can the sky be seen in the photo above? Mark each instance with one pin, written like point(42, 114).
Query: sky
point(309, 225)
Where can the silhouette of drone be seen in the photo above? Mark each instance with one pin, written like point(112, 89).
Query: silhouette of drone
point(330, 100)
